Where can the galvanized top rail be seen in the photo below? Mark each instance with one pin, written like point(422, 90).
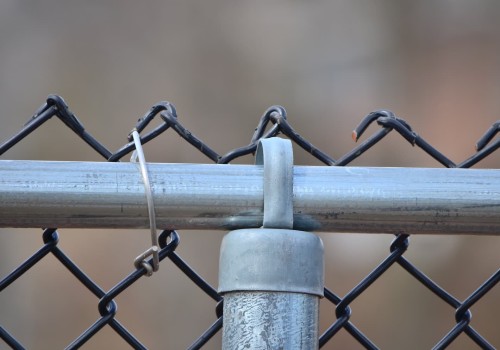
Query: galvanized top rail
point(224, 197)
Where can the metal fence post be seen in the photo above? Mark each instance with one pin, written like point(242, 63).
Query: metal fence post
point(272, 277)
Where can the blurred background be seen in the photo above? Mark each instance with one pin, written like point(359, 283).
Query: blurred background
point(222, 64)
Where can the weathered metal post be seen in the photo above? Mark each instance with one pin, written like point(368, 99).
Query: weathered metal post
point(272, 277)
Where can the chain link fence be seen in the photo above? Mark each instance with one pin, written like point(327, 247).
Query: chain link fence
point(273, 122)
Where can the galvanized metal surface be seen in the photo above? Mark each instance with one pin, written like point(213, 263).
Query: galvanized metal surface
point(257, 263)
point(271, 260)
point(198, 196)
point(260, 319)
point(276, 156)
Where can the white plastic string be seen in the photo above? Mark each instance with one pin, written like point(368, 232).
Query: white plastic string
point(140, 260)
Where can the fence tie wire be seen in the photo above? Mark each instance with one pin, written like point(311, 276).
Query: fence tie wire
point(153, 250)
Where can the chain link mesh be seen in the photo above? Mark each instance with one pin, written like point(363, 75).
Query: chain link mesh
point(272, 123)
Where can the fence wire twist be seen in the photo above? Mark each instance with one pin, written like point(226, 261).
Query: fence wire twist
point(273, 122)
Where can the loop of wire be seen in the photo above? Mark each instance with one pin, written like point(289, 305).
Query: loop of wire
point(140, 260)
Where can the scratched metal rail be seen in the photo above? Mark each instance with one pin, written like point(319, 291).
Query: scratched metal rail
point(224, 197)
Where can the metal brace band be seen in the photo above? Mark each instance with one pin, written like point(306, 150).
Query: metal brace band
point(276, 155)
